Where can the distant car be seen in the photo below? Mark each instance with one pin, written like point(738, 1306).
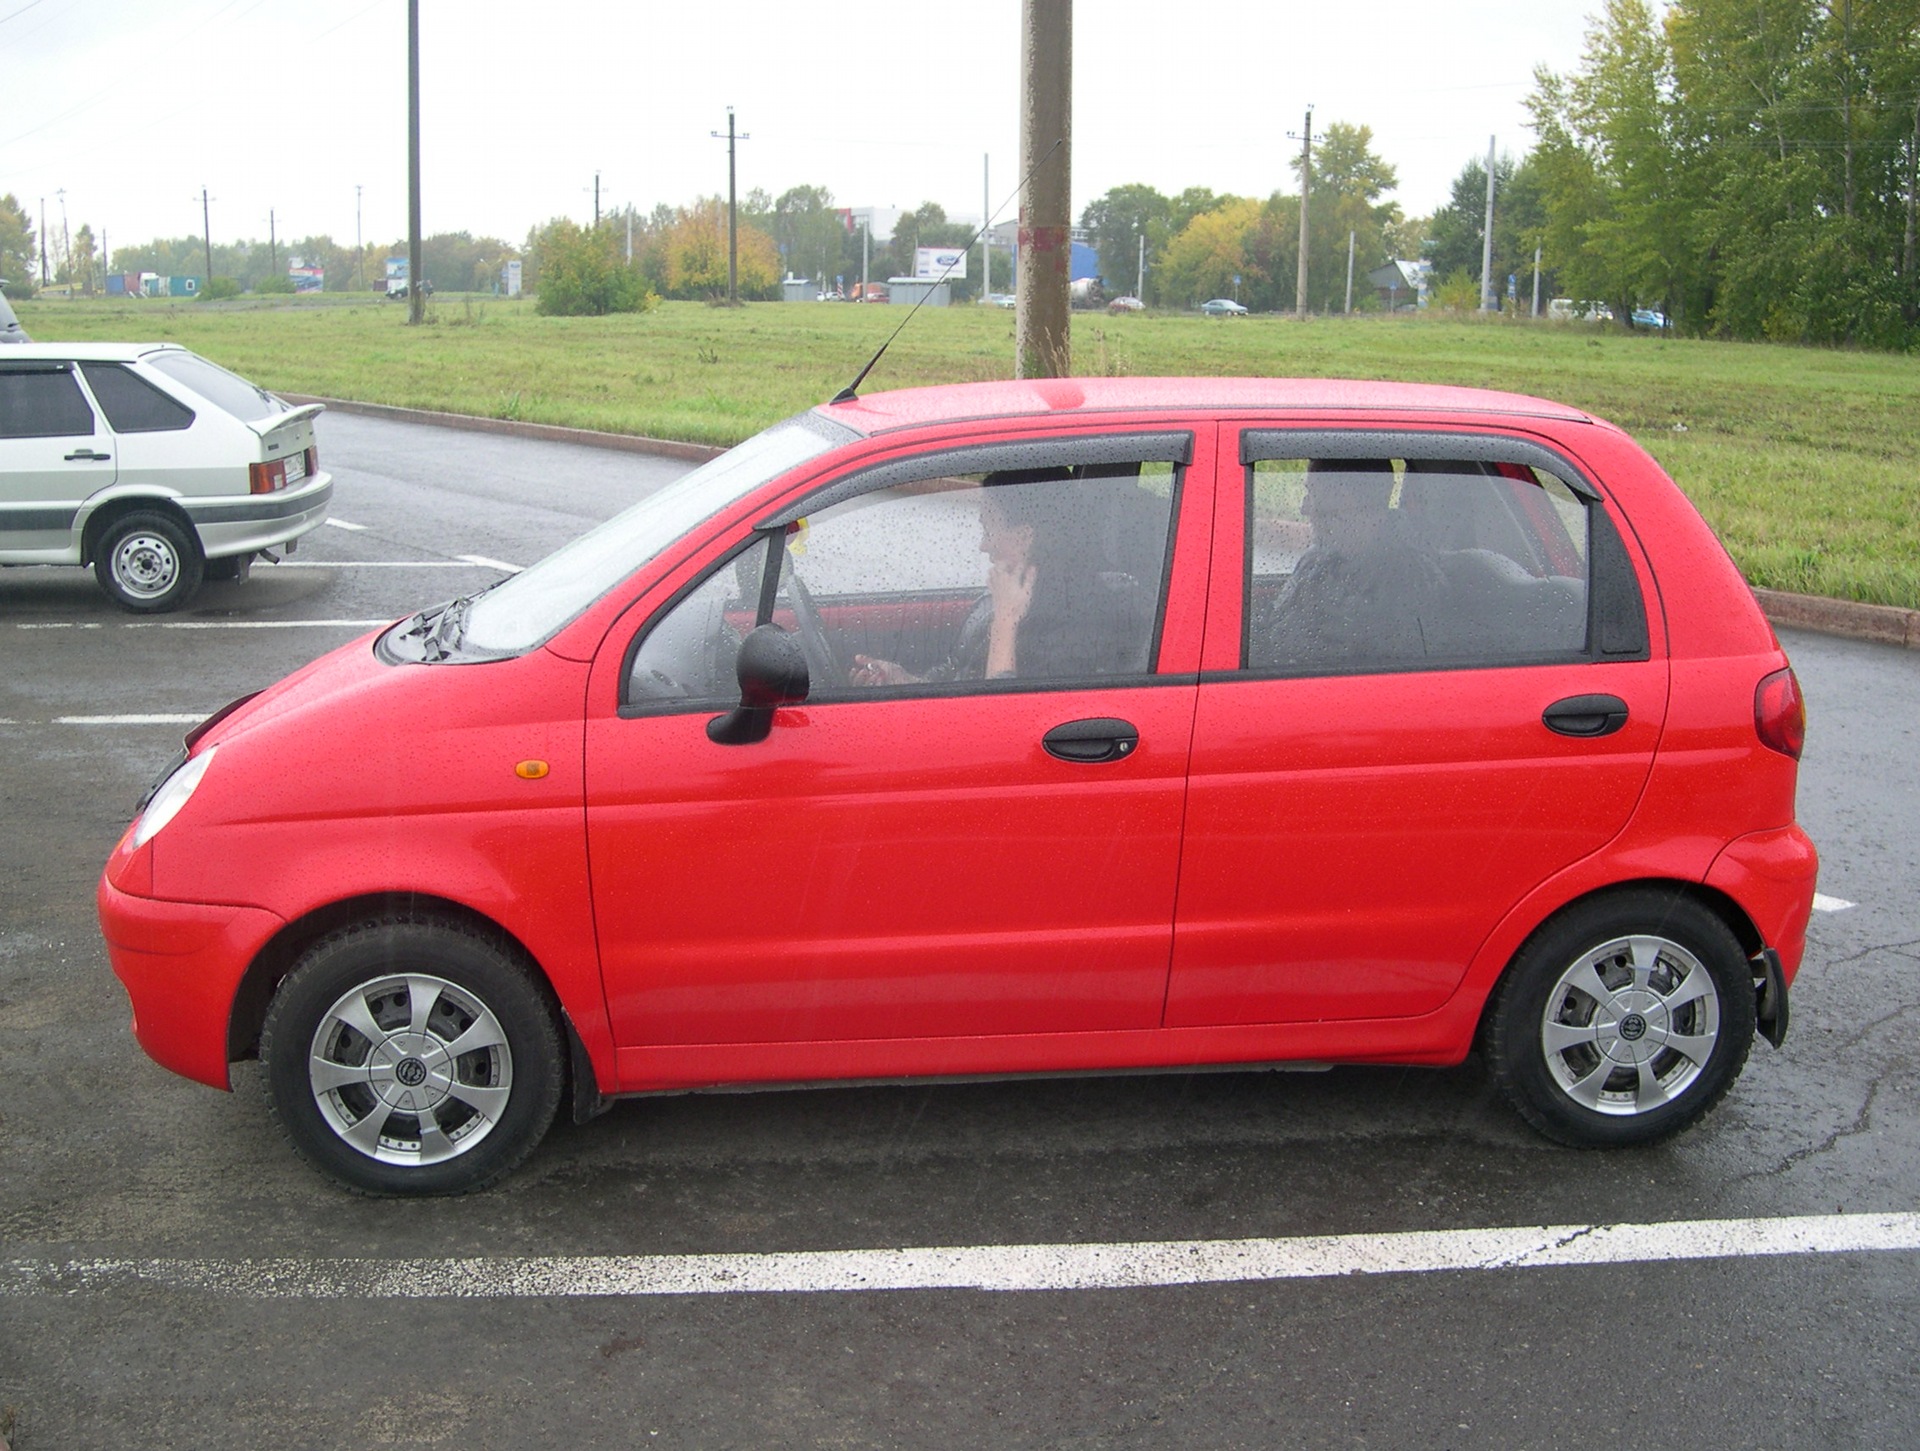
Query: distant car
point(1223, 307)
point(1335, 722)
point(10, 329)
point(1001, 299)
point(1649, 317)
point(1126, 304)
point(150, 463)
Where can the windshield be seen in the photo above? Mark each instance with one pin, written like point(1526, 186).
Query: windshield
point(529, 608)
point(227, 391)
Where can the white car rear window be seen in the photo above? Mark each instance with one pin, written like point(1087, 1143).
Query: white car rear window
point(227, 391)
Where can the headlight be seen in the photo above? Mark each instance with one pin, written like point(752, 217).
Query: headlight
point(174, 793)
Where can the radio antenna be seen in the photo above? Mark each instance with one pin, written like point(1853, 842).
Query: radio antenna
point(851, 392)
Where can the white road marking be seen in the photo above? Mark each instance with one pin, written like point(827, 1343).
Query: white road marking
point(112, 720)
point(343, 524)
point(1028, 1267)
point(1823, 903)
point(61, 625)
point(465, 561)
point(255, 624)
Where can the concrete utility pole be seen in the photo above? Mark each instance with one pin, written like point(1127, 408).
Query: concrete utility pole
point(733, 233)
point(416, 283)
point(1042, 287)
point(206, 228)
point(1350, 237)
point(1536, 283)
point(43, 242)
point(359, 247)
point(596, 201)
point(1140, 269)
point(1306, 187)
point(1486, 239)
point(986, 221)
point(273, 246)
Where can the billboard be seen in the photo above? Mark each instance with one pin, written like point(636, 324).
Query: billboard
point(307, 279)
point(930, 264)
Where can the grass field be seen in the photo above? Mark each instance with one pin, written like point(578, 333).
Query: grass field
point(1807, 462)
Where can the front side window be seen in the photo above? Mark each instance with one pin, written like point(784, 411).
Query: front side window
point(42, 402)
point(937, 583)
point(1378, 563)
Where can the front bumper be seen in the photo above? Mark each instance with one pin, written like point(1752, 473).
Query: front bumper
point(182, 963)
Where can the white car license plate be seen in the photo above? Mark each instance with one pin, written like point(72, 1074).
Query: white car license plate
point(296, 467)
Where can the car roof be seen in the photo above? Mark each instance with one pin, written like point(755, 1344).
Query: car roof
point(961, 402)
point(86, 352)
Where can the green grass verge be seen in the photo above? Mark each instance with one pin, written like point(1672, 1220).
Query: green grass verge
point(1804, 460)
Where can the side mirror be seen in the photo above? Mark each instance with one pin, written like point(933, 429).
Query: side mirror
point(772, 671)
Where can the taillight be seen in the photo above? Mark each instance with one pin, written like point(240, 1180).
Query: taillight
point(1780, 713)
point(268, 478)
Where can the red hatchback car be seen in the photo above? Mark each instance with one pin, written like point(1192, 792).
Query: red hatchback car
point(1011, 728)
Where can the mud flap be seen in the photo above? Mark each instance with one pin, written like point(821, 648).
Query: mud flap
point(1770, 997)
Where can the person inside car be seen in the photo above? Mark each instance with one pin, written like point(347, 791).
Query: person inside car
point(1361, 593)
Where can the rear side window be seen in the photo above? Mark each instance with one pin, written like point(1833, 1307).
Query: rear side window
point(131, 403)
point(42, 403)
point(1359, 564)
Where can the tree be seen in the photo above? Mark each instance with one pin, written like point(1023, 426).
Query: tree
point(1209, 252)
point(1118, 221)
point(694, 251)
point(18, 261)
point(584, 274)
point(82, 268)
point(1454, 233)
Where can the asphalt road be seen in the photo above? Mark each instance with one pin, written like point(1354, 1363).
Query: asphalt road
point(108, 1161)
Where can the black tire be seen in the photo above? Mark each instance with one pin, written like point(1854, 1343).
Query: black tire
point(1622, 1020)
point(358, 1073)
point(148, 562)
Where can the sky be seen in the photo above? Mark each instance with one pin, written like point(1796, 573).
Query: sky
point(119, 113)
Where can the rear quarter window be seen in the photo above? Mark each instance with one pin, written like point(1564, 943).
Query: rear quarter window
point(131, 403)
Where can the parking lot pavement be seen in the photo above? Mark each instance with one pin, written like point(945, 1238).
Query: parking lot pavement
point(171, 1276)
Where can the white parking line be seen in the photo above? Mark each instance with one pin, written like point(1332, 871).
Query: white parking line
point(1002, 1268)
point(1823, 903)
point(256, 624)
point(343, 524)
point(119, 720)
point(464, 561)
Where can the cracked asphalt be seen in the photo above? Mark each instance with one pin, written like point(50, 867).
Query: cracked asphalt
point(104, 1155)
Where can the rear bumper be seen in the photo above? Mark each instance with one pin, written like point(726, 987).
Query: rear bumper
point(240, 526)
point(181, 963)
point(1771, 874)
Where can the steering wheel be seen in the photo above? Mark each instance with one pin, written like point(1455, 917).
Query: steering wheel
point(816, 645)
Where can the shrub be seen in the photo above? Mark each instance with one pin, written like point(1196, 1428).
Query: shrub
point(582, 274)
point(219, 289)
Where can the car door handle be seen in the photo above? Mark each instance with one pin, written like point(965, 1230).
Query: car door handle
point(1586, 715)
point(1099, 739)
point(87, 455)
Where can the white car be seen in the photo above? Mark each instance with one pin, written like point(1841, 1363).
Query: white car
point(152, 464)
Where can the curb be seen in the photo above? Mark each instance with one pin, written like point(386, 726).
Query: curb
point(1848, 619)
point(697, 453)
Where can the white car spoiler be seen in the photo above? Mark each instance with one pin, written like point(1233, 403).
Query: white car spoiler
point(273, 423)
